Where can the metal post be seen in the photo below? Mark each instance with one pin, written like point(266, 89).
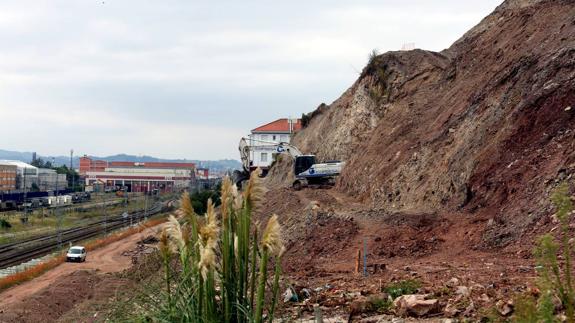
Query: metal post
point(58, 213)
point(104, 213)
point(72, 171)
point(365, 256)
point(25, 192)
point(126, 206)
point(146, 206)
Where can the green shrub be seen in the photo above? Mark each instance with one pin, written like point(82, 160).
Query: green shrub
point(555, 278)
point(525, 309)
point(372, 56)
point(200, 200)
point(5, 224)
point(403, 287)
point(378, 304)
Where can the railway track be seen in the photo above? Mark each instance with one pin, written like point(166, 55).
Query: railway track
point(12, 254)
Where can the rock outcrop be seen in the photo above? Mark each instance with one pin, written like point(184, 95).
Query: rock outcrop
point(486, 126)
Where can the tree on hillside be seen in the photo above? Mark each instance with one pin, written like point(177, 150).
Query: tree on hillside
point(72, 177)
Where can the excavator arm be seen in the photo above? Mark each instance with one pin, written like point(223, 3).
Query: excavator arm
point(280, 147)
point(306, 170)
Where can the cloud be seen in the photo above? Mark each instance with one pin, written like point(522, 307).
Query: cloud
point(137, 76)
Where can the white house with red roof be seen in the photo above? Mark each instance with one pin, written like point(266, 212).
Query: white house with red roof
point(262, 139)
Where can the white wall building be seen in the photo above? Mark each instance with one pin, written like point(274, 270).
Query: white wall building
point(261, 139)
point(49, 180)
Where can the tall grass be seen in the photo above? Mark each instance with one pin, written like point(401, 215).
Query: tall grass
point(215, 269)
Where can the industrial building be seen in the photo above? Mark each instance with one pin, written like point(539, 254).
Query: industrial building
point(26, 174)
point(139, 176)
point(49, 180)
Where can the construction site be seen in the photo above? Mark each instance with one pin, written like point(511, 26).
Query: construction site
point(420, 195)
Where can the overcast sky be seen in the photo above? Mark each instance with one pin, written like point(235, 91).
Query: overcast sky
point(186, 79)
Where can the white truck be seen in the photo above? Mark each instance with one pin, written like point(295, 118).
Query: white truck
point(306, 170)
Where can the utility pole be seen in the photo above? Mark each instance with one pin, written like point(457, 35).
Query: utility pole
point(25, 216)
point(57, 206)
point(146, 206)
point(58, 214)
point(72, 170)
point(126, 204)
point(104, 212)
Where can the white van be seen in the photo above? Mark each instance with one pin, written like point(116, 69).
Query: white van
point(76, 253)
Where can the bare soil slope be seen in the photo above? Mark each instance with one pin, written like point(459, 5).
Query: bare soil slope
point(484, 128)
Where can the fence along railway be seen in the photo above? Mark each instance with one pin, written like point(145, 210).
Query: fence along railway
point(12, 254)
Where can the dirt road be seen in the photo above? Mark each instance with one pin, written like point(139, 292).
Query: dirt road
point(106, 260)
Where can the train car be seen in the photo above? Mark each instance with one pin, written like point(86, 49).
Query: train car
point(8, 205)
point(81, 197)
point(32, 200)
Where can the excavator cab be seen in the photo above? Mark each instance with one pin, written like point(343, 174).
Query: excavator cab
point(303, 163)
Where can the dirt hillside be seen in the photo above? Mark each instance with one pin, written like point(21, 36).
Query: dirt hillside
point(485, 127)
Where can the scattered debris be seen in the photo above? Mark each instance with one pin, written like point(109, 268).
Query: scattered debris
point(149, 240)
point(290, 295)
point(451, 310)
point(504, 308)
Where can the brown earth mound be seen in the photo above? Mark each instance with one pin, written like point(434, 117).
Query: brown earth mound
point(485, 127)
point(410, 235)
point(319, 241)
point(55, 300)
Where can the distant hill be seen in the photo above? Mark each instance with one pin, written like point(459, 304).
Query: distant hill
point(221, 165)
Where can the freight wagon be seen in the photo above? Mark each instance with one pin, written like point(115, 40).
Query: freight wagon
point(13, 201)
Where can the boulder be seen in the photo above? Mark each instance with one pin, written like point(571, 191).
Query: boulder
point(452, 282)
point(415, 305)
point(463, 291)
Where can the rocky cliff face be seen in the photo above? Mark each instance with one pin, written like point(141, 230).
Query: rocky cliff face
point(486, 127)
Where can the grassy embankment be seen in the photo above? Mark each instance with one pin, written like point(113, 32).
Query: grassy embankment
point(42, 221)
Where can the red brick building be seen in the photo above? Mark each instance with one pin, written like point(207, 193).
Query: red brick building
point(139, 176)
point(7, 177)
point(88, 164)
